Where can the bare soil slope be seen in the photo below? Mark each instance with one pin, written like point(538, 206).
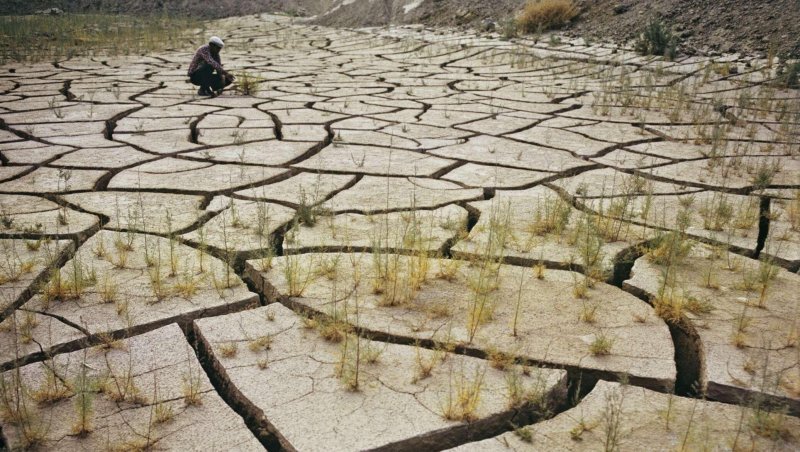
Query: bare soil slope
point(195, 8)
point(705, 26)
point(724, 25)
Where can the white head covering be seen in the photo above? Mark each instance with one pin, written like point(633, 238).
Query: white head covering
point(216, 41)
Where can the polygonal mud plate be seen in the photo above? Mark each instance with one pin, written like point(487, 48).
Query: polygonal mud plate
point(617, 417)
point(537, 225)
point(623, 159)
point(31, 152)
point(23, 265)
point(233, 136)
point(503, 124)
point(177, 111)
point(177, 175)
point(606, 333)
point(127, 283)
point(721, 217)
point(304, 132)
point(303, 115)
point(375, 194)
point(143, 392)
point(103, 158)
point(783, 240)
point(446, 118)
point(418, 230)
point(563, 139)
point(674, 150)
point(757, 132)
point(749, 171)
point(25, 216)
point(234, 117)
point(272, 152)
point(613, 132)
point(241, 225)
point(475, 175)
point(312, 393)
point(303, 189)
point(370, 138)
point(9, 173)
point(610, 183)
point(161, 142)
point(67, 113)
point(426, 135)
point(162, 213)
point(748, 336)
point(492, 150)
point(375, 160)
point(140, 125)
point(52, 180)
point(87, 140)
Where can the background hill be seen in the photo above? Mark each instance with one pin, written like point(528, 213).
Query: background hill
point(195, 8)
point(705, 25)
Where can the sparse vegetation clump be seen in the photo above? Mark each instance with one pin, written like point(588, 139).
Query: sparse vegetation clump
point(671, 305)
point(543, 15)
point(669, 249)
point(464, 397)
point(192, 384)
point(399, 279)
point(551, 217)
point(768, 422)
point(509, 29)
point(57, 37)
point(657, 39)
point(601, 345)
point(248, 84)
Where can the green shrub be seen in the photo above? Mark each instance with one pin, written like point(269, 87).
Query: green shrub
point(657, 39)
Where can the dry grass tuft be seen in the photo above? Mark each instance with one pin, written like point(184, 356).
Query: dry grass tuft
point(464, 398)
point(541, 15)
point(248, 84)
point(601, 345)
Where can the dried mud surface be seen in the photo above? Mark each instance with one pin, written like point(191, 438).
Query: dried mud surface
point(407, 238)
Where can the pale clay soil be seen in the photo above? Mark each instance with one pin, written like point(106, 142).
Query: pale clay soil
point(407, 239)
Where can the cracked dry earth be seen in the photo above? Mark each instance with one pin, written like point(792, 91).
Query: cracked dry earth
point(407, 239)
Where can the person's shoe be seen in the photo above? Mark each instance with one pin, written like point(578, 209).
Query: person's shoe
point(204, 92)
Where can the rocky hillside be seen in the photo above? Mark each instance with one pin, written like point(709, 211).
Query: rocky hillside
point(194, 8)
point(705, 26)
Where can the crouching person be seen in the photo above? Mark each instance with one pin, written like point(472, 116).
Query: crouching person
point(206, 69)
